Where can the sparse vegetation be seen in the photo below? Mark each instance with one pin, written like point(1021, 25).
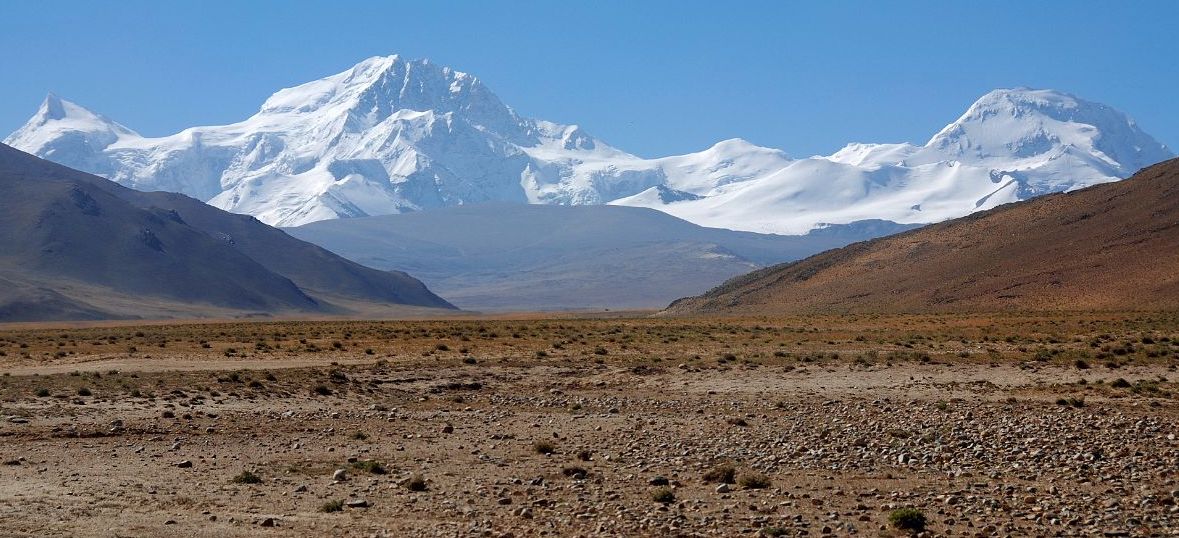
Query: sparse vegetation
point(907, 519)
point(370, 466)
point(575, 472)
point(754, 481)
point(247, 477)
point(661, 388)
point(416, 483)
point(724, 473)
point(663, 496)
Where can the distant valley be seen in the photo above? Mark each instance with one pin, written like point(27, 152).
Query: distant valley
point(543, 257)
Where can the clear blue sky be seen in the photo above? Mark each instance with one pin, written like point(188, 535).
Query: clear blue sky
point(654, 78)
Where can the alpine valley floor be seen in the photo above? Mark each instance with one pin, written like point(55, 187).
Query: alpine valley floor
point(1007, 425)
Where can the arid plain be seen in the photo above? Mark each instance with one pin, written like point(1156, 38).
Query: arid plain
point(989, 425)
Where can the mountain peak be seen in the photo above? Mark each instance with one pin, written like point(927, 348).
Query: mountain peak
point(56, 118)
point(52, 107)
point(380, 86)
point(1023, 123)
point(389, 79)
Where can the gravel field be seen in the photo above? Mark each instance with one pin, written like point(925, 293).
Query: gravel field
point(1021, 426)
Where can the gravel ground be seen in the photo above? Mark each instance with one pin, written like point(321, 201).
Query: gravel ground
point(586, 445)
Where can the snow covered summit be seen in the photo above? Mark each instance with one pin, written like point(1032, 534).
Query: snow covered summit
point(1010, 145)
point(392, 135)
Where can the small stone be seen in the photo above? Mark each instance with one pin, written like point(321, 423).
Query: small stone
point(268, 522)
point(184, 464)
point(659, 481)
point(504, 501)
point(302, 488)
point(357, 503)
point(723, 488)
point(448, 429)
point(340, 475)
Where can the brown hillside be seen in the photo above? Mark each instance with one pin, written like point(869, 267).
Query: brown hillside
point(77, 246)
point(1112, 246)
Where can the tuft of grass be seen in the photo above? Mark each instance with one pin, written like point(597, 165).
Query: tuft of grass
point(663, 495)
point(332, 506)
point(416, 483)
point(754, 481)
point(322, 390)
point(574, 471)
point(84, 392)
point(370, 466)
point(359, 436)
point(724, 473)
point(247, 477)
point(907, 519)
point(544, 447)
point(42, 392)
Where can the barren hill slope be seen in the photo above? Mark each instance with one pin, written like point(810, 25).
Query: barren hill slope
point(76, 246)
point(1111, 246)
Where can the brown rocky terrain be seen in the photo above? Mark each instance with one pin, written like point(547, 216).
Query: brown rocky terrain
point(1113, 246)
point(1017, 425)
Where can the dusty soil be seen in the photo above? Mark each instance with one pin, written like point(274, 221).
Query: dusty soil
point(1020, 425)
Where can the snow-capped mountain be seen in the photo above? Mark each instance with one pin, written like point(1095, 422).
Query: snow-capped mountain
point(392, 135)
point(1010, 145)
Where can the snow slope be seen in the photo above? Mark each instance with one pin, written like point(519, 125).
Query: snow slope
point(392, 135)
point(1010, 145)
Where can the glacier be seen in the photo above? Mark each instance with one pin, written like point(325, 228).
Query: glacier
point(392, 135)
